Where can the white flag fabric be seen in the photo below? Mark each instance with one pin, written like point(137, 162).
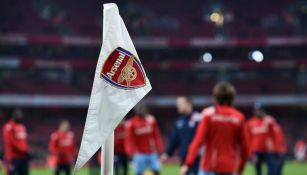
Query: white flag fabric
point(119, 84)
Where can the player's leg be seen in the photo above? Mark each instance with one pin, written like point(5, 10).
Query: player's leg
point(139, 163)
point(116, 164)
point(154, 163)
point(271, 163)
point(16, 167)
point(67, 169)
point(124, 163)
point(281, 161)
point(193, 170)
point(259, 157)
point(58, 169)
point(300, 156)
point(24, 167)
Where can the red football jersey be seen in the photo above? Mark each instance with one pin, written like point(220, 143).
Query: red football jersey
point(15, 140)
point(222, 130)
point(261, 131)
point(143, 136)
point(63, 146)
point(300, 145)
point(119, 139)
point(280, 142)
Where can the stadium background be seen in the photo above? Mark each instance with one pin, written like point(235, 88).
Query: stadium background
point(49, 49)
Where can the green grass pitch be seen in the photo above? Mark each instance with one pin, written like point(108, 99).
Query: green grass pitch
point(291, 168)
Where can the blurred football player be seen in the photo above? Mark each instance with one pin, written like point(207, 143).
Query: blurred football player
point(143, 141)
point(300, 151)
point(62, 145)
point(16, 149)
point(280, 149)
point(262, 139)
point(121, 160)
point(183, 132)
point(222, 129)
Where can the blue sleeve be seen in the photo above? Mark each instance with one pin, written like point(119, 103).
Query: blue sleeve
point(174, 141)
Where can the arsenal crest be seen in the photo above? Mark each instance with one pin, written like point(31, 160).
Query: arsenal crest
point(123, 70)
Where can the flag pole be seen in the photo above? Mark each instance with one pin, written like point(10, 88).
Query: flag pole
point(107, 156)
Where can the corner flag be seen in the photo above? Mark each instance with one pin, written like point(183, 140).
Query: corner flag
point(120, 83)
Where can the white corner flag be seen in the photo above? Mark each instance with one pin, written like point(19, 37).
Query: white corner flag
point(120, 83)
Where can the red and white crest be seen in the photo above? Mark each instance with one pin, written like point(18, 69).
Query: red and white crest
point(123, 70)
